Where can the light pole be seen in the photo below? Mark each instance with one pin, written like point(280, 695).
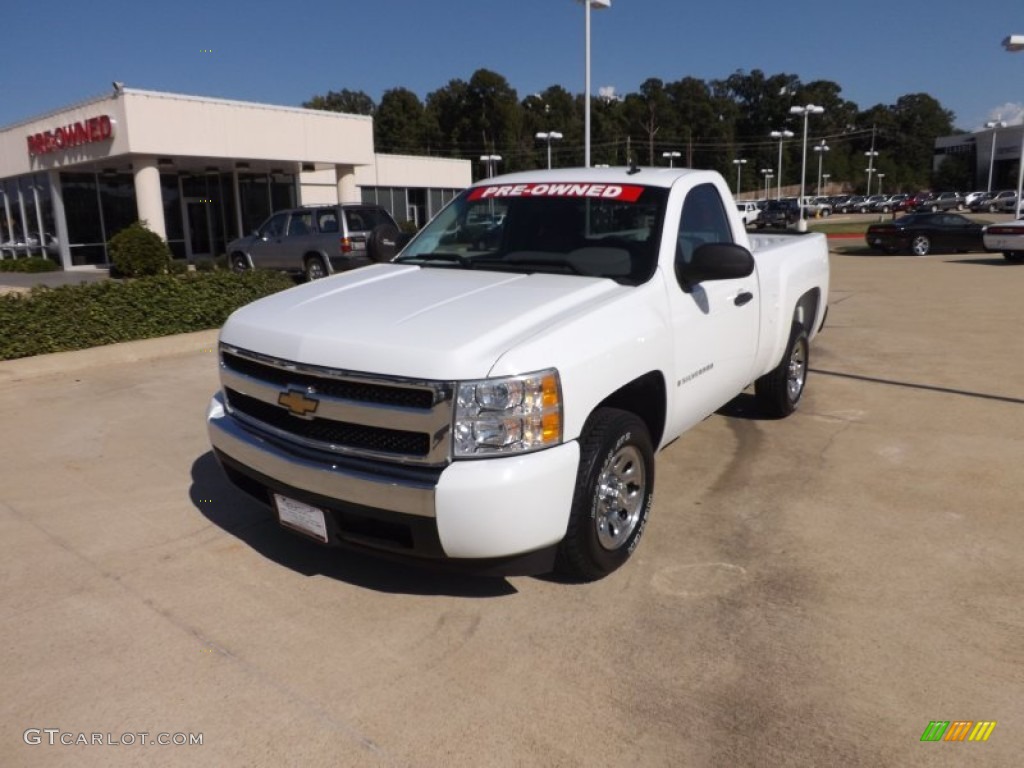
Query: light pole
point(826, 177)
point(549, 136)
point(599, 4)
point(491, 163)
point(768, 176)
point(821, 149)
point(880, 177)
point(739, 163)
point(807, 110)
point(870, 155)
point(781, 136)
point(671, 156)
point(995, 125)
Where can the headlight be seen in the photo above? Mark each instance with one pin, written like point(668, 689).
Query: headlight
point(510, 414)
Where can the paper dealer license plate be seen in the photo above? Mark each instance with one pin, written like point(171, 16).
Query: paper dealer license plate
point(301, 517)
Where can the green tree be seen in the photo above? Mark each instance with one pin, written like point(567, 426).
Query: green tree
point(349, 102)
point(400, 123)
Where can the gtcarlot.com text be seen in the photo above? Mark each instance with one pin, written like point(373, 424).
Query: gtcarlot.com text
point(56, 736)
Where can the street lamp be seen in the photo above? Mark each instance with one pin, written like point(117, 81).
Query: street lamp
point(739, 171)
point(995, 125)
point(549, 136)
point(826, 177)
point(880, 177)
point(491, 163)
point(599, 4)
point(807, 110)
point(671, 156)
point(781, 136)
point(871, 155)
point(768, 176)
point(821, 149)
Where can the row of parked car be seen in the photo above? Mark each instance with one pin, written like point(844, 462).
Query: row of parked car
point(781, 213)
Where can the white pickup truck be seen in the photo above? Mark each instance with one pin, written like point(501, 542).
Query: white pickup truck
point(494, 397)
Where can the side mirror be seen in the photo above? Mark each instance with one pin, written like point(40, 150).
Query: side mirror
point(715, 261)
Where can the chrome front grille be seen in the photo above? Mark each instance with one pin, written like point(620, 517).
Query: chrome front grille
point(342, 412)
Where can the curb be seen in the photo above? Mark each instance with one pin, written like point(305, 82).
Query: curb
point(109, 354)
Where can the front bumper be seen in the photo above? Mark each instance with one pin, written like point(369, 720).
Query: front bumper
point(469, 510)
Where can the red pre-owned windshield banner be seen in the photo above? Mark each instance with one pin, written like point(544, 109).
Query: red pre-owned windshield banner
point(629, 193)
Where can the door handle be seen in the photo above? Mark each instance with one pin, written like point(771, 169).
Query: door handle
point(742, 298)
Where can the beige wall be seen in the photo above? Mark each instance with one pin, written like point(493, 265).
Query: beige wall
point(172, 125)
point(318, 187)
point(416, 171)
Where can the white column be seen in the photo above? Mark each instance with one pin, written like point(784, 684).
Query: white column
point(59, 220)
point(348, 192)
point(148, 199)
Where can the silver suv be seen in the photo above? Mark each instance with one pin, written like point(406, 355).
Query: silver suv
point(318, 240)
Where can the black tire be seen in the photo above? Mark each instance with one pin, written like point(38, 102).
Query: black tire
point(1014, 257)
point(992, 209)
point(612, 500)
point(920, 245)
point(315, 268)
point(934, 209)
point(239, 263)
point(382, 244)
point(780, 391)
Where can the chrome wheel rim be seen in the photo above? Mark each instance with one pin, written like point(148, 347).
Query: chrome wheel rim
point(797, 373)
point(920, 246)
point(315, 270)
point(621, 490)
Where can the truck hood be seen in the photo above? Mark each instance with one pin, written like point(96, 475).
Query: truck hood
point(406, 320)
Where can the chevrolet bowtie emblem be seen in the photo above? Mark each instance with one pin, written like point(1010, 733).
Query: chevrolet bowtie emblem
point(297, 403)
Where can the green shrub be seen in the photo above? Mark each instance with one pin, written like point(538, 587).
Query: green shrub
point(177, 267)
point(92, 314)
point(137, 251)
point(31, 264)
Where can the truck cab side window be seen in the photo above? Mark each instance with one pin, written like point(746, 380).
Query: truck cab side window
point(703, 220)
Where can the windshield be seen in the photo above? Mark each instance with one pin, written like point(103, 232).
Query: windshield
point(594, 230)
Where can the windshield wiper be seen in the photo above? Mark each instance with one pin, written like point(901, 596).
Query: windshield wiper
point(461, 258)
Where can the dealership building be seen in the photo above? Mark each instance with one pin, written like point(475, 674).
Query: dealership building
point(199, 171)
point(991, 149)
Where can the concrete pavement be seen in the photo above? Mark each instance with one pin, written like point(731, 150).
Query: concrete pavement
point(809, 592)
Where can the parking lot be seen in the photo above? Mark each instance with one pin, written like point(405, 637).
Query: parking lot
point(809, 592)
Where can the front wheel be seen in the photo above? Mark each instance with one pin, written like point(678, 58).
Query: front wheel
point(239, 263)
point(613, 494)
point(780, 391)
point(920, 245)
point(1014, 257)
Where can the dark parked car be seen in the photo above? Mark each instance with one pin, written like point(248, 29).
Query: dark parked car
point(923, 233)
point(318, 240)
point(779, 213)
point(945, 201)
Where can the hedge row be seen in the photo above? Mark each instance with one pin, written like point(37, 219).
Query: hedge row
point(92, 314)
point(33, 264)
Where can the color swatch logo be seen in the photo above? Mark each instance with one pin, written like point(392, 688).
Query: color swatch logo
point(958, 730)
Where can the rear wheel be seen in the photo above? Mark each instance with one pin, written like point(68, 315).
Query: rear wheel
point(1014, 257)
point(315, 268)
point(612, 499)
point(780, 391)
point(920, 245)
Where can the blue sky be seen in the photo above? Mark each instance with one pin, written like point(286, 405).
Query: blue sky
point(61, 52)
